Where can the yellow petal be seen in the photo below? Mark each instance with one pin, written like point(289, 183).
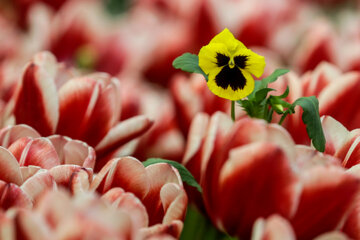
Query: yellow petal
point(255, 63)
point(227, 38)
point(229, 93)
point(207, 56)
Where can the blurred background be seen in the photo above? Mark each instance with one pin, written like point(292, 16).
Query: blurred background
point(137, 40)
point(144, 36)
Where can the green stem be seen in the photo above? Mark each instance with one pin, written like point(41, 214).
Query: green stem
point(283, 117)
point(269, 116)
point(233, 110)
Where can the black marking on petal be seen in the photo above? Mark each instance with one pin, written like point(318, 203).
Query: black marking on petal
point(221, 59)
point(240, 61)
point(230, 76)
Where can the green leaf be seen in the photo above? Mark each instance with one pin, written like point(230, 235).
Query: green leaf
point(254, 109)
point(199, 227)
point(311, 118)
point(261, 84)
point(276, 100)
point(273, 77)
point(261, 94)
point(189, 63)
point(286, 93)
point(251, 97)
point(186, 176)
point(116, 7)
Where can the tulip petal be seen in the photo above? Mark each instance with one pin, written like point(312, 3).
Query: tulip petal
point(9, 168)
point(130, 204)
point(352, 224)
point(307, 157)
point(31, 226)
point(38, 86)
point(39, 152)
point(55, 206)
point(13, 196)
point(17, 148)
point(186, 100)
point(38, 183)
point(174, 201)
point(352, 157)
point(327, 197)
point(74, 177)
point(334, 100)
point(90, 218)
point(277, 134)
point(77, 99)
point(123, 132)
point(249, 130)
point(340, 142)
point(320, 78)
point(10, 134)
point(73, 151)
point(243, 132)
point(219, 126)
point(105, 113)
point(158, 175)
point(256, 181)
point(316, 47)
point(89, 107)
point(192, 158)
point(81, 181)
point(127, 173)
point(273, 228)
point(173, 229)
point(6, 227)
point(335, 235)
point(335, 133)
point(29, 171)
point(196, 135)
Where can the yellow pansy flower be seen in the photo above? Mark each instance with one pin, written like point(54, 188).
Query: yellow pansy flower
point(229, 66)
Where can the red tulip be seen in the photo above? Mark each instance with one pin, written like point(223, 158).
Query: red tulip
point(352, 224)
point(317, 46)
point(276, 227)
point(57, 215)
point(240, 159)
point(191, 95)
point(340, 142)
point(32, 164)
point(250, 169)
point(315, 215)
point(85, 108)
point(157, 186)
point(164, 139)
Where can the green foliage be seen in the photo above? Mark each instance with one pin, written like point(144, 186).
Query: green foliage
point(310, 117)
point(260, 104)
point(186, 176)
point(273, 77)
point(198, 227)
point(261, 86)
point(189, 63)
point(115, 7)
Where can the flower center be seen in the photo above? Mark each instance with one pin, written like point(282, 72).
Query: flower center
point(231, 63)
point(223, 60)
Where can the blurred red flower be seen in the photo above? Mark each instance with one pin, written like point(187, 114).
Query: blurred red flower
point(250, 169)
point(86, 108)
